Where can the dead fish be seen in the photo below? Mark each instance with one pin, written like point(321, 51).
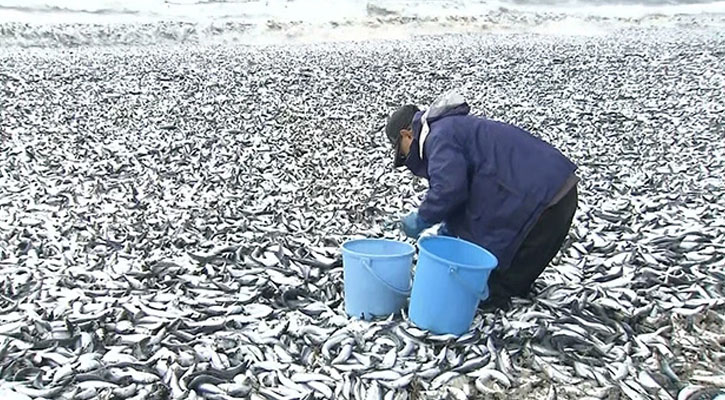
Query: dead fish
point(399, 383)
point(387, 375)
point(310, 377)
point(140, 262)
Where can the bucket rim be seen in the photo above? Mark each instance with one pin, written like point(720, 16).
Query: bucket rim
point(409, 252)
point(462, 265)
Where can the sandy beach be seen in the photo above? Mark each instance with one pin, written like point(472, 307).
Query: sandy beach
point(171, 217)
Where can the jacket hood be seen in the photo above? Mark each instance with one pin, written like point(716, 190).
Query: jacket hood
point(447, 104)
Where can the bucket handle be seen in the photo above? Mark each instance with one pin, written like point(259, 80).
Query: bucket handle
point(367, 263)
point(482, 295)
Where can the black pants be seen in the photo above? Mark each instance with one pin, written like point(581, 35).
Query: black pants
point(536, 251)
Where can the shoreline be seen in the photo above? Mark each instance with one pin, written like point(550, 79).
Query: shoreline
point(262, 33)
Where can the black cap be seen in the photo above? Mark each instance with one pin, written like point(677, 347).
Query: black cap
point(401, 119)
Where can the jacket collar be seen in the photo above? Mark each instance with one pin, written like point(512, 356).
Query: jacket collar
point(416, 164)
point(450, 103)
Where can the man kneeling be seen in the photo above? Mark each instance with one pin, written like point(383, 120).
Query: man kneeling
point(490, 183)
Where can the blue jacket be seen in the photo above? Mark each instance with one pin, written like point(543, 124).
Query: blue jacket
point(488, 181)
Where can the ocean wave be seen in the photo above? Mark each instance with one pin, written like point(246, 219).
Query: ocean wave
point(58, 9)
point(201, 2)
point(378, 23)
point(379, 11)
point(313, 11)
point(649, 3)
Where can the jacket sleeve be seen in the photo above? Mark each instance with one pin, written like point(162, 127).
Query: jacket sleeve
point(447, 179)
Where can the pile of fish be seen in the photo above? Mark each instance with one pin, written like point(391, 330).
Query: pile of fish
point(171, 220)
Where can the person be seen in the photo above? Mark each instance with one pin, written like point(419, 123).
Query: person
point(490, 183)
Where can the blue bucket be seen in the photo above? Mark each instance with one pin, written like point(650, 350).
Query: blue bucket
point(377, 276)
point(450, 279)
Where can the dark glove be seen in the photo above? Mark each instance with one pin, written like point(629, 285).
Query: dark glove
point(413, 225)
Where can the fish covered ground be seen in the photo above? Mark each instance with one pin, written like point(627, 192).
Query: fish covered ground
point(171, 219)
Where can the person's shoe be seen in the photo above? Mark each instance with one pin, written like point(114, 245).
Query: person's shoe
point(493, 303)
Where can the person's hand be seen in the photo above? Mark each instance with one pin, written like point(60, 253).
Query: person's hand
point(443, 230)
point(413, 225)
